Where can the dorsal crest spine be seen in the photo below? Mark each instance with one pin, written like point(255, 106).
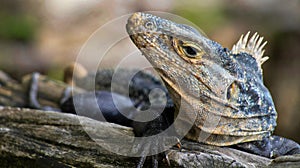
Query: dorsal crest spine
point(254, 47)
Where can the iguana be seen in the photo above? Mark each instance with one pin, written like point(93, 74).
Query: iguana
point(219, 91)
point(213, 82)
point(220, 83)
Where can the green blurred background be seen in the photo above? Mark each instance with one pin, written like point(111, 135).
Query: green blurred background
point(46, 35)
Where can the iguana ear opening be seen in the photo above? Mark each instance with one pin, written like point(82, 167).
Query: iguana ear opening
point(253, 47)
point(233, 92)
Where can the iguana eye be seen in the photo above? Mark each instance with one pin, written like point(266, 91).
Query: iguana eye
point(187, 49)
point(190, 51)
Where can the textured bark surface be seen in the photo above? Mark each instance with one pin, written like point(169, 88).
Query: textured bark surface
point(32, 138)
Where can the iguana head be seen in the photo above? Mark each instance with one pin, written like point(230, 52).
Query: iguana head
point(213, 80)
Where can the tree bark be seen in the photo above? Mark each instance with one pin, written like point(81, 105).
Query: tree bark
point(34, 138)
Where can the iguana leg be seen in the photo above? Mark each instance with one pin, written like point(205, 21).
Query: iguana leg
point(160, 141)
point(271, 147)
point(147, 148)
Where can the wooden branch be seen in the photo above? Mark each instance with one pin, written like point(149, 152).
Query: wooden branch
point(11, 91)
point(50, 92)
point(33, 138)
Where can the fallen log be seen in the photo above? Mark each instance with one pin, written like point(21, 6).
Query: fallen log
point(34, 138)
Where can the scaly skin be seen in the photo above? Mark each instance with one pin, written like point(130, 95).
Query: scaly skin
point(221, 92)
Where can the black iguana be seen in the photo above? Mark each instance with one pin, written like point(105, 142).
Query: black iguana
point(208, 83)
point(214, 83)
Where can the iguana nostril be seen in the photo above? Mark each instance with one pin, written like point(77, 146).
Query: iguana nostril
point(134, 19)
